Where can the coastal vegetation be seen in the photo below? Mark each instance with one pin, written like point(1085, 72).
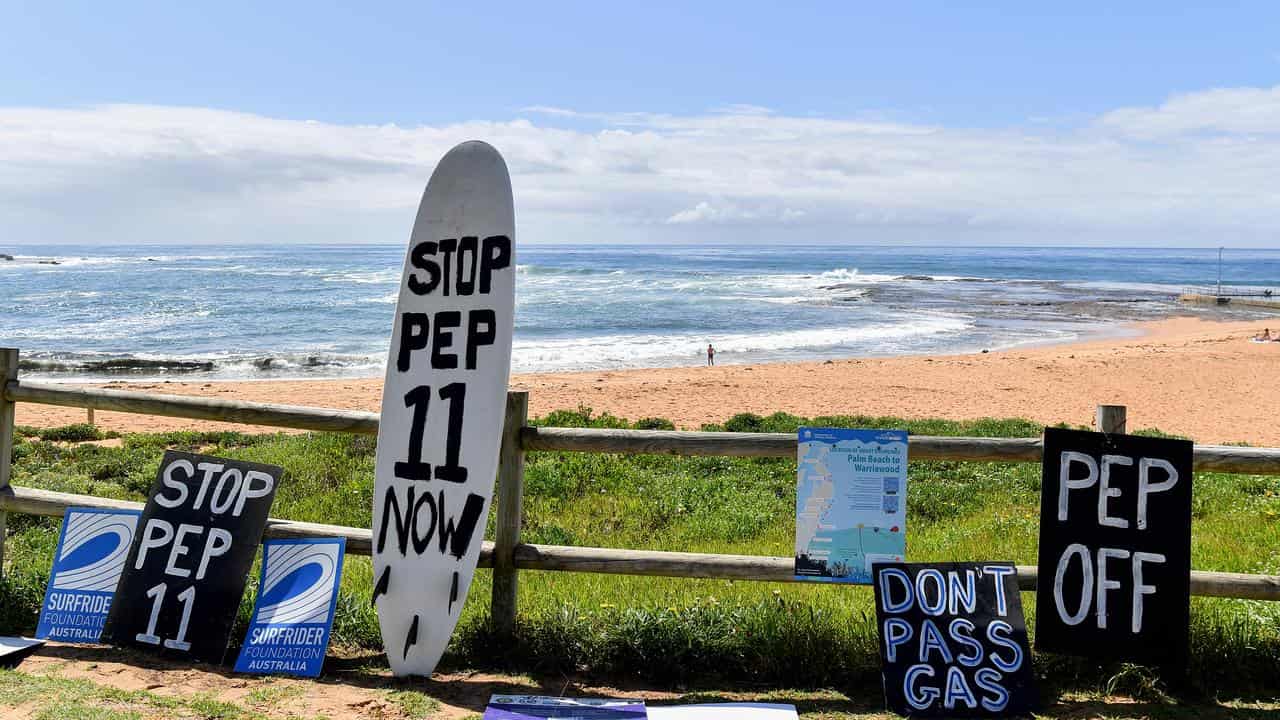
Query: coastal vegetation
point(681, 632)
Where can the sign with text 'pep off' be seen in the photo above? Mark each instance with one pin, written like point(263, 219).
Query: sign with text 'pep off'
point(953, 641)
point(1115, 547)
point(293, 613)
point(443, 404)
point(187, 566)
point(87, 566)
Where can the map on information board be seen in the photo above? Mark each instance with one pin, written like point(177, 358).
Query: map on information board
point(851, 502)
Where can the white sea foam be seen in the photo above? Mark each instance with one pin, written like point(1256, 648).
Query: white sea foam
point(787, 299)
point(54, 262)
point(378, 277)
point(852, 275)
point(637, 350)
point(326, 312)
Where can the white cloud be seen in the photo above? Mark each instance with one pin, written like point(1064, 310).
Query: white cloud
point(722, 213)
point(1228, 112)
point(1198, 168)
point(744, 109)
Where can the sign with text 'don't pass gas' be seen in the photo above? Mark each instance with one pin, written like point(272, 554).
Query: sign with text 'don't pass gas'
point(186, 570)
point(953, 641)
point(1115, 547)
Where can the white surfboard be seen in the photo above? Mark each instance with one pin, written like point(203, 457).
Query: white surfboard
point(442, 404)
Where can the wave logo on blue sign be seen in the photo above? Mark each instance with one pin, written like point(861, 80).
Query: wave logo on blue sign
point(87, 566)
point(293, 614)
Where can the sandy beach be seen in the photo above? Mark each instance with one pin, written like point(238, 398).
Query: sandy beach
point(1183, 375)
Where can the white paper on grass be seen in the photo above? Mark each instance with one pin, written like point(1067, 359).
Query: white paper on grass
point(17, 645)
point(724, 711)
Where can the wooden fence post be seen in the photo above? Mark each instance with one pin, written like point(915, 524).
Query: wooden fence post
point(510, 507)
point(1111, 419)
point(8, 371)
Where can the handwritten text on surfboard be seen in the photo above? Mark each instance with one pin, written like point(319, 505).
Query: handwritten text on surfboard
point(451, 267)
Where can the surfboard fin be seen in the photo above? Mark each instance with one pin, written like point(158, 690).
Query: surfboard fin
point(384, 583)
point(412, 638)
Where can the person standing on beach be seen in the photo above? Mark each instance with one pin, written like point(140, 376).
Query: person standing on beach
point(711, 355)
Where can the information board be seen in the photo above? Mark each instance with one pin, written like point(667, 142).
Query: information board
point(851, 502)
point(953, 641)
point(293, 614)
point(1115, 547)
point(87, 566)
point(187, 567)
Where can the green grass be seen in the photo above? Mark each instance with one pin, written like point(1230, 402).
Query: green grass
point(59, 698)
point(668, 630)
point(414, 704)
point(50, 695)
point(80, 432)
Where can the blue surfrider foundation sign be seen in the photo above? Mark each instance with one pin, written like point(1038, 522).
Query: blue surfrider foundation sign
point(293, 614)
point(87, 566)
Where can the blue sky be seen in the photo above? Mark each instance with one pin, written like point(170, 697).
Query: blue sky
point(1147, 124)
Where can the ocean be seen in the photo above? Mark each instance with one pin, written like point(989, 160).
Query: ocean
point(231, 312)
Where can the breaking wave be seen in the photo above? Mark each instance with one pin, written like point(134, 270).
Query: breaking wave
point(327, 311)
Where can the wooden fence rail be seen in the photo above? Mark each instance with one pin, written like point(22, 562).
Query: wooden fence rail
point(1216, 458)
point(609, 561)
point(507, 555)
point(194, 408)
point(1209, 458)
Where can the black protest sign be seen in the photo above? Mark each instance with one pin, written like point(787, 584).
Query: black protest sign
point(953, 642)
point(191, 554)
point(1115, 547)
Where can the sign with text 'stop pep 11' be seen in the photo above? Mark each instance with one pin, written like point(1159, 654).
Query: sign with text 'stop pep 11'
point(1115, 547)
point(443, 404)
point(187, 567)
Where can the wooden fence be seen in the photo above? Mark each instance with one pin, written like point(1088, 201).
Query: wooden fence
point(506, 554)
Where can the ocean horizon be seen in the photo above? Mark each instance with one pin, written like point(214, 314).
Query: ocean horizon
point(228, 312)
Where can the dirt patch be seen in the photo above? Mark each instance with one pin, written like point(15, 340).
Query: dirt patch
point(349, 689)
point(361, 688)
